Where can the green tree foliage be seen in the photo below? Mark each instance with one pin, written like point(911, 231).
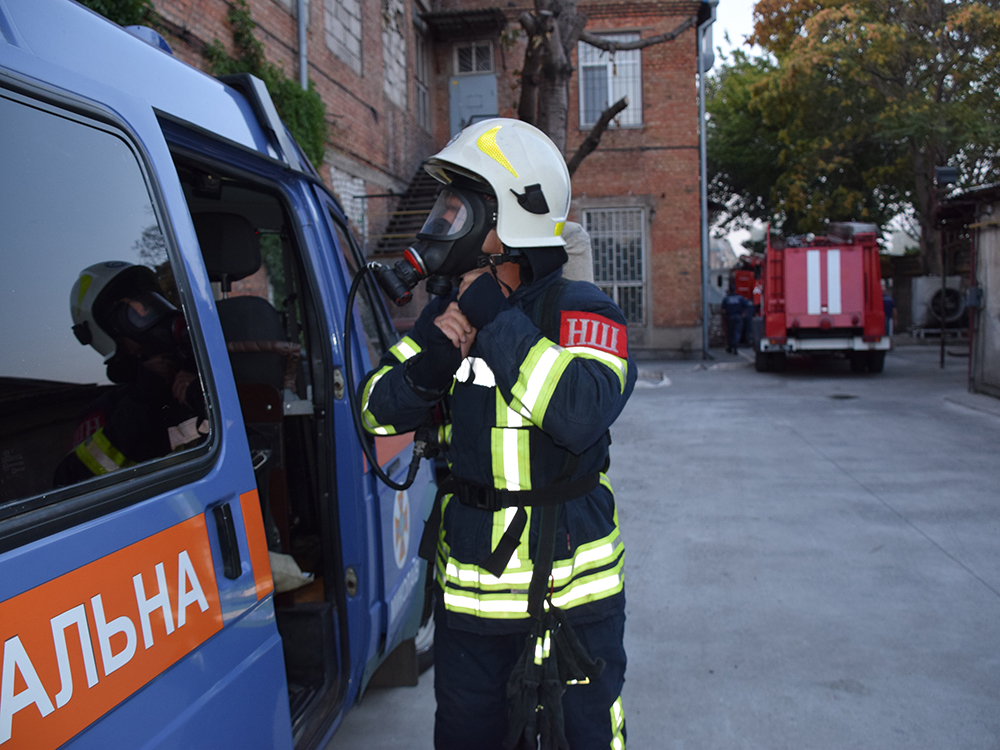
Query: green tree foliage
point(124, 12)
point(799, 153)
point(302, 110)
point(867, 97)
point(743, 149)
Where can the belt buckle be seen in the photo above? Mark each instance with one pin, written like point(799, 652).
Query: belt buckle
point(479, 496)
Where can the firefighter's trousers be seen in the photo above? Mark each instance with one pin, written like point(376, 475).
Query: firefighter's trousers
point(470, 682)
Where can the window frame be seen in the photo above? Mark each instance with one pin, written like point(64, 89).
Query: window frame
point(635, 107)
point(615, 284)
point(474, 45)
point(359, 68)
point(422, 78)
point(26, 519)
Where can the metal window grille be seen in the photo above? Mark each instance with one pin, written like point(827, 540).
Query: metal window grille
point(422, 78)
point(476, 57)
point(618, 239)
point(606, 78)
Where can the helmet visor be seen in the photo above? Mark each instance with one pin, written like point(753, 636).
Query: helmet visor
point(450, 218)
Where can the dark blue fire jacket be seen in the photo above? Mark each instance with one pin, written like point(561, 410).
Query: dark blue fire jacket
point(529, 408)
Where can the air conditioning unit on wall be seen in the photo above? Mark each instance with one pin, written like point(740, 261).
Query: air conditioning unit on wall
point(926, 300)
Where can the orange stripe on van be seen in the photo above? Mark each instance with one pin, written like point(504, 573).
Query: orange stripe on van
point(387, 447)
point(77, 646)
point(257, 540)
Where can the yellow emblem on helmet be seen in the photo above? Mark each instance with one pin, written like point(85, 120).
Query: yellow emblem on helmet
point(85, 281)
point(559, 227)
point(487, 143)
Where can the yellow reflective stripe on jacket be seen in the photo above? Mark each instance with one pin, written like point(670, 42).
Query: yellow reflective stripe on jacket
point(402, 350)
point(501, 520)
point(538, 377)
point(405, 348)
point(371, 424)
point(99, 455)
point(617, 725)
point(594, 572)
point(510, 449)
point(511, 456)
point(618, 365)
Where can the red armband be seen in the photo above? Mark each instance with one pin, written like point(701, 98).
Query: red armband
point(594, 331)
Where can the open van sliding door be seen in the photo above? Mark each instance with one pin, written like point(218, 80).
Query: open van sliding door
point(135, 605)
point(394, 581)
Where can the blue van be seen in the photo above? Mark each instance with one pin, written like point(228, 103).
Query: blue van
point(138, 607)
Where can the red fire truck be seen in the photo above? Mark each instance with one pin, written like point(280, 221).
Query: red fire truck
point(822, 295)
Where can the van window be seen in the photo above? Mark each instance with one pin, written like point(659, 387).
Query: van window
point(375, 334)
point(112, 382)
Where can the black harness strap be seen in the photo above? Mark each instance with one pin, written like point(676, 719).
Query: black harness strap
point(492, 499)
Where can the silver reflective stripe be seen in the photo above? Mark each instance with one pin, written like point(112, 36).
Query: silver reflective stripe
point(481, 372)
point(582, 590)
point(100, 456)
point(405, 349)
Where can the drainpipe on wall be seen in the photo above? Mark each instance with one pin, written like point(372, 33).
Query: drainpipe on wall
point(303, 53)
point(706, 59)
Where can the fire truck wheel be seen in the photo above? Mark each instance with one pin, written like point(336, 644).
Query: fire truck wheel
point(876, 361)
point(859, 361)
point(762, 362)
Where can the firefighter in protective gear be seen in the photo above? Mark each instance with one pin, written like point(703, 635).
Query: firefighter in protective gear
point(158, 405)
point(530, 371)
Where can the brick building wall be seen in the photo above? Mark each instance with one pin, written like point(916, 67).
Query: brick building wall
point(655, 167)
point(374, 141)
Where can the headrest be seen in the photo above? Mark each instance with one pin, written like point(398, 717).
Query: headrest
point(230, 246)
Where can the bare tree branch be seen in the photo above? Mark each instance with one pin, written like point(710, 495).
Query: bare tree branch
point(594, 137)
point(527, 106)
point(527, 22)
point(609, 46)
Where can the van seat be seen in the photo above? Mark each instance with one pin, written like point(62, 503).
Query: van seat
point(258, 345)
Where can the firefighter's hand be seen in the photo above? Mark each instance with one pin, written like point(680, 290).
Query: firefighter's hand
point(484, 298)
point(468, 278)
point(453, 323)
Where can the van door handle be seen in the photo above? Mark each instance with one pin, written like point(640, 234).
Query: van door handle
point(227, 541)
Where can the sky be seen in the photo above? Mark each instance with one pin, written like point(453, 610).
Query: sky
point(736, 17)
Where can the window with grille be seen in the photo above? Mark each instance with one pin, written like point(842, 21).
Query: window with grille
point(606, 78)
point(343, 30)
point(618, 238)
point(394, 51)
point(421, 74)
point(475, 57)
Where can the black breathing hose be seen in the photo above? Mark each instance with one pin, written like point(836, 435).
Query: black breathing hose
point(419, 444)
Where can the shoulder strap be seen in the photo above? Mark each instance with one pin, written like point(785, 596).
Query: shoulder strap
point(544, 309)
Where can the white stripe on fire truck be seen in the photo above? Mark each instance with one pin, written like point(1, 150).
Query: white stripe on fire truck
point(833, 301)
point(813, 283)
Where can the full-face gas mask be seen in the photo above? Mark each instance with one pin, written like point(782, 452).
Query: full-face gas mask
point(155, 325)
point(449, 244)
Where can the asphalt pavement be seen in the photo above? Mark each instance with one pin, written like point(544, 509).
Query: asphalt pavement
point(811, 562)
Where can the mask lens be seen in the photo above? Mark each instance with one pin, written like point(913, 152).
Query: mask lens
point(142, 312)
point(450, 218)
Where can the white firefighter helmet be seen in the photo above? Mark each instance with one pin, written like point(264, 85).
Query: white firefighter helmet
point(95, 291)
point(524, 168)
